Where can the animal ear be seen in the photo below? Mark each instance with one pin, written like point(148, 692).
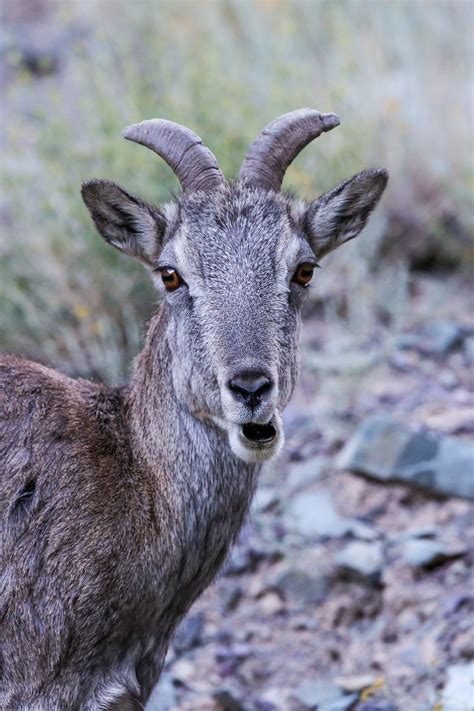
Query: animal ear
point(340, 214)
point(124, 221)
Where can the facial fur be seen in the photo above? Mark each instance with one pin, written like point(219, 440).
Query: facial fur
point(234, 318)
point(238, 308)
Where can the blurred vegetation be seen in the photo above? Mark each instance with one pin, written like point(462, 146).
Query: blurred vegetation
point(397, 73)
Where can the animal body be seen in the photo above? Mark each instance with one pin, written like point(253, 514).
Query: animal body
point(118, 504)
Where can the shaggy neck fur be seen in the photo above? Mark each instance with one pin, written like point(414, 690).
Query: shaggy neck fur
point(197, 492)
point(207, 489)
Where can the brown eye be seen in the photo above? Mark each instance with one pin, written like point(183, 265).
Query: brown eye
point(304, 274)
point(170, 278)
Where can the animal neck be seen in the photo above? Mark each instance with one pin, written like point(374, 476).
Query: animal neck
point(190, 456)
point(154, 411)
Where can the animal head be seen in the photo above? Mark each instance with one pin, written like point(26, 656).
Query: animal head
point(233, 262)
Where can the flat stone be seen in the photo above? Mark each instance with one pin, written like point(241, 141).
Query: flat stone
point(183, 671)
point(271, 604)
point(362, 560)
point(310, 692)
point(424, 553)
point(362, 530)
point(313, 514)
point(387, 450)
point(355, 683)
point(301, 587)
point(302, 474)
point(163, 697)
point(458, 693)
point(448, 379)
point(275, 697)
point(411, 533)
point(451, 419)
point(321, 696)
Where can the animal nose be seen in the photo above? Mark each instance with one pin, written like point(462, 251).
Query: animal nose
point(249, 387)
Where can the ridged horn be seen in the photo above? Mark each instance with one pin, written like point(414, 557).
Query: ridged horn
point(192, 162)
point(276, 147)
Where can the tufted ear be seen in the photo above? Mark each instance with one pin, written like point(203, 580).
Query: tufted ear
point(340, 214)
point(124, 221)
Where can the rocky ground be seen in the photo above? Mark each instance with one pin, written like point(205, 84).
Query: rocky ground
point(352, 589)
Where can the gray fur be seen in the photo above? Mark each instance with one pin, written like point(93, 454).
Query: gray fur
point(118, 505)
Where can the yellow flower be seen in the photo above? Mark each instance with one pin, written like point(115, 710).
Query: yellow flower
point(81, 311)
point(377, 684)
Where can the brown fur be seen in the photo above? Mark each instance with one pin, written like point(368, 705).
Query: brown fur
point(118, 505)
point(96, 548)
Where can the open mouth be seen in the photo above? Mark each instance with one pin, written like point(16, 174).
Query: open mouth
point(256, 442)
point(259, 434)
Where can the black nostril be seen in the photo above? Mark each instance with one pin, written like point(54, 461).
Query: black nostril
point(249, 387)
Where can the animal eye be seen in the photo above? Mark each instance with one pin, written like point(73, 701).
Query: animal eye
point(170, 278)
point(304, 274)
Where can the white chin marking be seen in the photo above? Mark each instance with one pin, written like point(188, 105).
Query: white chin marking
point(252, 452)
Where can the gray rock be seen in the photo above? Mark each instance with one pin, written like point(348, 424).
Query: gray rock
point(313, 514)
point(434, 338)
point(468, 350)
point(357, 682)
point(301, 587)
point(226, 700)
point(362, 530)
point(188, 634)
point(385, 449)
point(182, 671)
point(301, 474)
point(361, 560)
point(458, 692)
point(273, 699)
point(323, 696)
point(448, 380)
point(427, 554)
point(230, 657)
point(410, 533)
point(163, 697)
point(230, 597)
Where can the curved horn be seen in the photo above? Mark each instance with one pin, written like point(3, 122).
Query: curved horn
point(193, 163)
point(279, 143)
